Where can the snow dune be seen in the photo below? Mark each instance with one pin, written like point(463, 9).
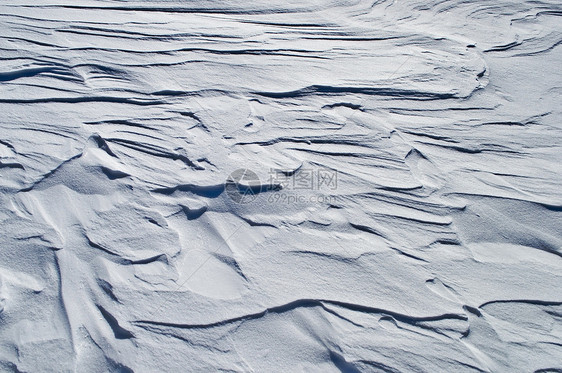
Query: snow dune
point(397, 204)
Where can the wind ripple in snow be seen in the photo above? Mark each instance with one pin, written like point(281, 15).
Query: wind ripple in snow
point(122, 249)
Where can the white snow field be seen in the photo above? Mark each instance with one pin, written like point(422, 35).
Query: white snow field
point(280, 186)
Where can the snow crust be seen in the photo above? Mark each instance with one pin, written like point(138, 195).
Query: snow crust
point(438, 249)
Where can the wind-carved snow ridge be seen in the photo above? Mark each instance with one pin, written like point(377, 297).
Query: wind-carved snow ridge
point(275, 186)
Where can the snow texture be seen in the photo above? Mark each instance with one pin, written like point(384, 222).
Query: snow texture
point(127, 243)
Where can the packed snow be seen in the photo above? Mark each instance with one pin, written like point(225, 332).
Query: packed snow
point(280, 186)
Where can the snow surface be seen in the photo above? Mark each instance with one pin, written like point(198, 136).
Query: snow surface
point(439, 249)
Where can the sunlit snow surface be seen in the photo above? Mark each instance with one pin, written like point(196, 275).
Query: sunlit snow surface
point(436, 246)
